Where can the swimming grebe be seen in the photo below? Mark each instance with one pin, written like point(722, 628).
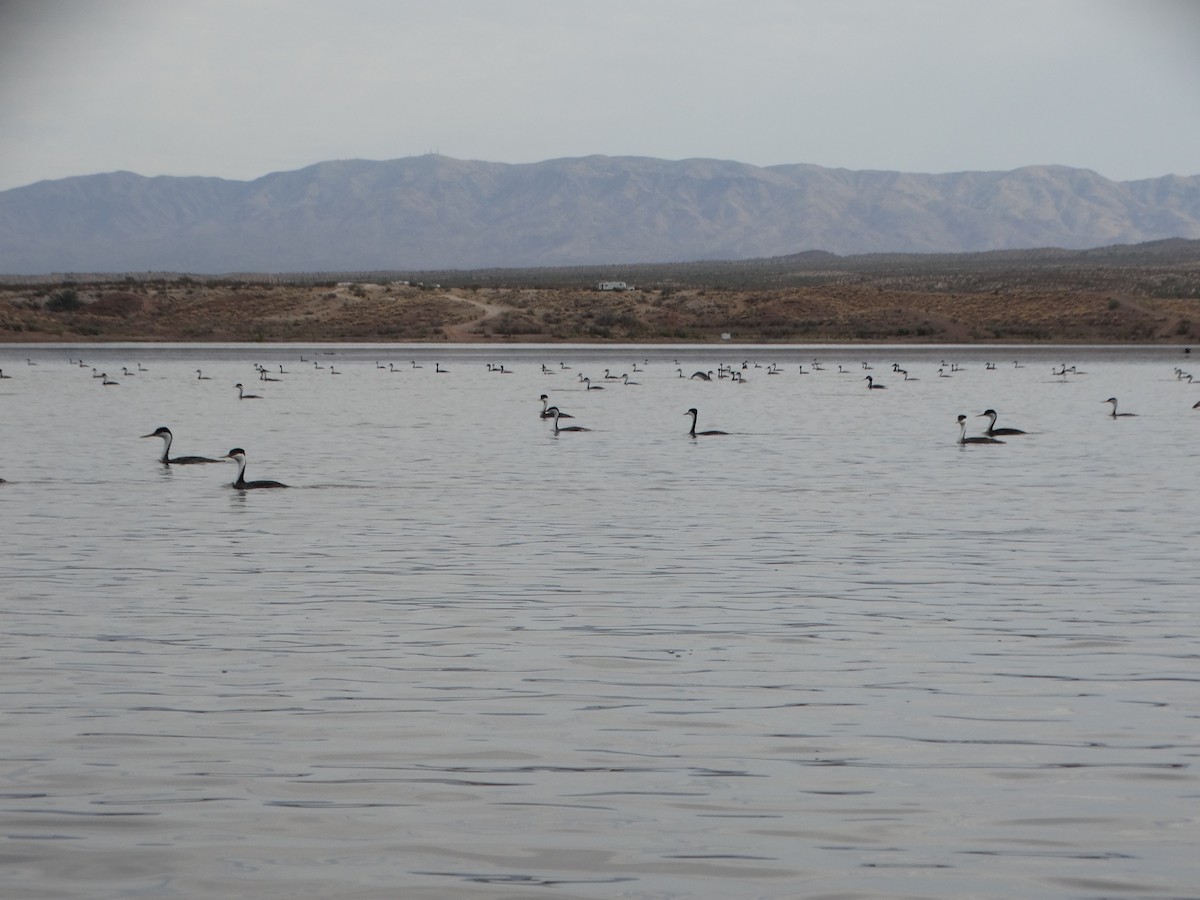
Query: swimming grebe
point(693, 432)
point(242, 395)
point(238, 455)
point(546, 414)
point(201, 376)
point(871, 385)
point(167, 459)
point(1115, 414)
point(555, 412)
point(963, 439)
point(992, 430)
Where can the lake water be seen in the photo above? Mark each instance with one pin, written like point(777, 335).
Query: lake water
point(832, 654)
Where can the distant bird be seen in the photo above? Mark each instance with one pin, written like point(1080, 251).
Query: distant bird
point(557, 415)
point(2, 375)
point(1115, 414)
point(693, 432)
point(992, 430)
point(625, 379)
point(703, 376)
point(107, 381)
point(242, 395)
point(201, 376)
point(872, 386)
point(437, 367)
point(238, 455)
point(167, 459)
point(592, 387)
point(546, 414)
point(963, 439)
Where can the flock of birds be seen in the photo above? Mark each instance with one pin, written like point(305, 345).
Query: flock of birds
point(990, 435)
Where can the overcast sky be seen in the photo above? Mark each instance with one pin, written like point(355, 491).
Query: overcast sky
point(241, 88)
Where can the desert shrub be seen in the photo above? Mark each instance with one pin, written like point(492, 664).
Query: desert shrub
point(65, 300)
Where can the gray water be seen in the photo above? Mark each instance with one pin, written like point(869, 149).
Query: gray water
point(830, 654)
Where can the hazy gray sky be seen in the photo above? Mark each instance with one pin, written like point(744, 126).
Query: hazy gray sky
point(240, 88)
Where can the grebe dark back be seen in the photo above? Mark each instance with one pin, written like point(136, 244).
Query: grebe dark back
point(554, 411)
point(872, 386)
point(693, 432)
point(1115, 414)
point(242, 395)
point(992, 430)
point(167, 459)
point(238, 455)
point(963, 439)
point(546, 414)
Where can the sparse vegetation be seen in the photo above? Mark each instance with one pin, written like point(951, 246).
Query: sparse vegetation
point(1121, 294)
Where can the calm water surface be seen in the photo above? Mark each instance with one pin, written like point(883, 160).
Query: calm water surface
point(830, 654)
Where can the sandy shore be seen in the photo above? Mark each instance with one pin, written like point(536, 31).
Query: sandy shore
point(191, 310)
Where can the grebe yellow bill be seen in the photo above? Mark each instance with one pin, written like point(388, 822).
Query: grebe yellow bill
point(693, 432)
point(963, 439)
point(167, 459)
point(992, 430)
point(238, 455)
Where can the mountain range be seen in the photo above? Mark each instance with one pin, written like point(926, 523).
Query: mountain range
point(435, 212)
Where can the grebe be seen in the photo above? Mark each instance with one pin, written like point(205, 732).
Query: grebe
point(546, 414)
point(610, 377)
point(693, 432)
point(702, 376)
point(437, 367)
point(167, 460)
point(201, 376)
point(1115, 414)
point(625, 379)
point(963, 439)
point(555, 412)
point(992, 430)
point(238, 455)
point(2, 375)
point(592, 387)
point(872, 386)
point(242, 395)
point(106, 381)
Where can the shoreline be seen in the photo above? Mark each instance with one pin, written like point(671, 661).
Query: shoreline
point(189, 312)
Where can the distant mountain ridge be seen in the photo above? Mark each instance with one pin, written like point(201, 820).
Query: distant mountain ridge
point(434, 212)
